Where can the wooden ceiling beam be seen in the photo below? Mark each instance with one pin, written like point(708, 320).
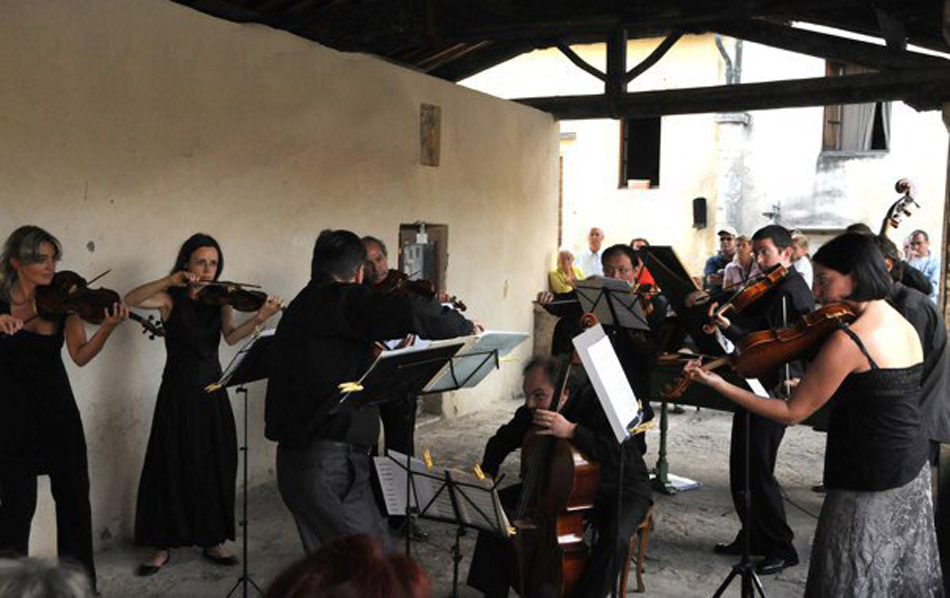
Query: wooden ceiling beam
point(923, 88)
point(827, 46)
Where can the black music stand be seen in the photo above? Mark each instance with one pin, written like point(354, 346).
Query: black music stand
point(449, 496)
point(250, 364)
point(399, 375)
point(614, 393)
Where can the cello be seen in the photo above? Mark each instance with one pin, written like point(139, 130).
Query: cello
point(560, 484)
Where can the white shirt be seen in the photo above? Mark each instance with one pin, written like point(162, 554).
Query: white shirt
point(930, 266)
point(804, 267)
point(589, 262)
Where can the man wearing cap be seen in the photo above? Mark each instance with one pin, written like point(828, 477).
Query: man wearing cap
point(712, 273)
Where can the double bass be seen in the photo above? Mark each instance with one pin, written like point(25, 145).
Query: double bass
point(559, 486)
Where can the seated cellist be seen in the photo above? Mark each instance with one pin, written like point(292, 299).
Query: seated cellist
point(583, 422)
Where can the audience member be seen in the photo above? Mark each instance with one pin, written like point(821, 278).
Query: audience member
point(716, 265)
point(743, 266)
point(352, 567)
point(34, 578)
point(562, 278)
point(644, 278)
point(589, 259)
point(801, 259)
point(925, 261)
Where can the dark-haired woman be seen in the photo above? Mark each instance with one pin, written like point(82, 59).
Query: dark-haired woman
point(186, 492)
point(875, 535)
point(41, 432)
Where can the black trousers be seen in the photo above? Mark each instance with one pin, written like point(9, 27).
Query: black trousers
point(769, 532)
point(489, 571)
point(70, 489)
point(329, 494)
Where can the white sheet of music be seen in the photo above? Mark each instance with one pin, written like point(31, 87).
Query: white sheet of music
point(478, 506)
point(606, 374)
point(391, 471)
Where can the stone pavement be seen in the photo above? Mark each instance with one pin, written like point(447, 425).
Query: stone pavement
point(679, 558)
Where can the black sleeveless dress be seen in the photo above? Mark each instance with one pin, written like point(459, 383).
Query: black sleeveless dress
point(186, 492)
point(875, 534)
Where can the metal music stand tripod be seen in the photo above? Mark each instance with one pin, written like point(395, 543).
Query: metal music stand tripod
point(250, 364)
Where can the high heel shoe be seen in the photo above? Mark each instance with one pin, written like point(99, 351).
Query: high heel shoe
point(145, 570)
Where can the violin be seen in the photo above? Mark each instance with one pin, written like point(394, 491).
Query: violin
point(398, 283)
point(750, 292)
point(238, 295)
point(759, 353)
point(69, 293)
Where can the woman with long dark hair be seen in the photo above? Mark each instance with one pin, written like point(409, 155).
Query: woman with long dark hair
point(875, 535)
point(186, 492)
point(41, 432)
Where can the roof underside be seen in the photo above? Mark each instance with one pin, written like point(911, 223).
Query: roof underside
point(454, 39)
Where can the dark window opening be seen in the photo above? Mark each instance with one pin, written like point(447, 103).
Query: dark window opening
point(855, 127)
point(640, 151)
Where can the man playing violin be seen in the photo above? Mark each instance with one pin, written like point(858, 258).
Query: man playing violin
point(637, 350)
point(326, 337)
point(781, 305)
point(582, 421)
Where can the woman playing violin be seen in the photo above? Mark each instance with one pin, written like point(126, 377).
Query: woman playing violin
point(876, 533)
point(186, 492)
point(41, 432)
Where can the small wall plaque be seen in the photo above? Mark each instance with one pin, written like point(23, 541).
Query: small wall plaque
point(430, 132)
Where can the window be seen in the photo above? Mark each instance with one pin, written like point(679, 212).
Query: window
point(640, 152)
point(855, 127)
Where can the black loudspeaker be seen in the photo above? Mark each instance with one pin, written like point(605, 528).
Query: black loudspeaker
point(699, 212)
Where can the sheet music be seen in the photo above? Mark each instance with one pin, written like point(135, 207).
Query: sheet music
point(606, 374)
point(617, 307)
point(478, 506)
point(473, 362)
point(391, 470)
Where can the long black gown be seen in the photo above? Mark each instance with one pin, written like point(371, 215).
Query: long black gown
point(41, 433)
point(186, 492)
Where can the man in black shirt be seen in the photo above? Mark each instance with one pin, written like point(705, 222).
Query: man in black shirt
point(583, 422)
point(781, 306)
point(326, 337)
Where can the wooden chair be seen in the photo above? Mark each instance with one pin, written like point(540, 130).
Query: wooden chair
point(641, 536)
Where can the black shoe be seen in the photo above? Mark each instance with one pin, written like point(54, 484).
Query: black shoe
point(147, 570)
point(677, 410)
point(774, 564)
point(733, 548)
point(224, 561)
point(819, 489)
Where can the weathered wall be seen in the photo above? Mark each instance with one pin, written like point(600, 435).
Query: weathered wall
point(127, 126)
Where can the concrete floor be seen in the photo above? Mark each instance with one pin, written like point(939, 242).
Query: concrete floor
point(679, 559)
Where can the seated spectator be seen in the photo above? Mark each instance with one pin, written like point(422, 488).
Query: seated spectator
point(742, 267)
point(716, 265)
point(925, 261)
point(35, 578)
point(562, 278)
point(589, 259)
point(801, 259)
point(355, 567)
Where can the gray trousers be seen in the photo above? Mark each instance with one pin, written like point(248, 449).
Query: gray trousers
point(330, 495)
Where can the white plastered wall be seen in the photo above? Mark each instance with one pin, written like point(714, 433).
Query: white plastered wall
point(127, 126)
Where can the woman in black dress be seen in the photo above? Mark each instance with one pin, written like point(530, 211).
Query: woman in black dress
point(875, 534)
point(186, 492)
point(41, 432)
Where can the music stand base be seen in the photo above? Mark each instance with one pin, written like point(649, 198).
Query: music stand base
point(456, 560)
point(244, 579)
point(750, 584)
